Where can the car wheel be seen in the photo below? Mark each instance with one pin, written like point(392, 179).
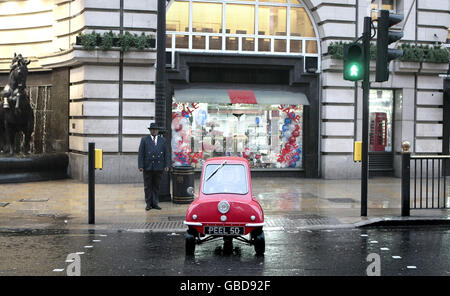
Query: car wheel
point(228, 245)
point(190, 243)
point(259, 243)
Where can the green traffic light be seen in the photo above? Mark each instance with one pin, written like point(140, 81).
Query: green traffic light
point(353, 62)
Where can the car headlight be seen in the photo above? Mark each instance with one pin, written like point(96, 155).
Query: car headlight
point(223, 207)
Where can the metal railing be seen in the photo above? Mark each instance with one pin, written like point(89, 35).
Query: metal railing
point(430, 175)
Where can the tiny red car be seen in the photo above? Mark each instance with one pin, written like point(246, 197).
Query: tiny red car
point(225, 207)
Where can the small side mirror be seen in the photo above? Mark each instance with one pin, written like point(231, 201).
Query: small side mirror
point(190, 191)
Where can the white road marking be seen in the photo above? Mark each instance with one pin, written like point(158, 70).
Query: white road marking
point(411, 267)
point(384, 249)
point(103, 235)
point(58, 270)
point(69, 261)
point(396, 257)
point(374, 242)
point(364, 235)
point(88, 247)
point(96, 241)
point(79, 253)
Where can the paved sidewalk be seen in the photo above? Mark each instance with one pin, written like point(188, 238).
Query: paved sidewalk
point(287, 202)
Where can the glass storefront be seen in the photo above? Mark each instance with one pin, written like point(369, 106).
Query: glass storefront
point(269, 136)
point(381, 106)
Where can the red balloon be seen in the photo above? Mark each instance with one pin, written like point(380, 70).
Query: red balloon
point(246, 152)
point(288, 146)
point(296, 133)
point(297, 127)
point(292, 140)
point(258, 156)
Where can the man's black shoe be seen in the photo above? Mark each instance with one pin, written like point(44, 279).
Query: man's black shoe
point(157, 207)
point(147, 208)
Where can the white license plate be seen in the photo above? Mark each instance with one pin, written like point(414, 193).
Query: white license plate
point(224, 230)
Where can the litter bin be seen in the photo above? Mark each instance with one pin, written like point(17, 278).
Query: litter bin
point(182, 179)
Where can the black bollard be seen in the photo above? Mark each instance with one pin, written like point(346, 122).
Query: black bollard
point(91, 168)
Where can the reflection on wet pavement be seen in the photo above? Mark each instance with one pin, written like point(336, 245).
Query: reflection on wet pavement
point(301, 252)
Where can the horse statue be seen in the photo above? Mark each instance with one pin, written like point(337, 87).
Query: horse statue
point(16, 114)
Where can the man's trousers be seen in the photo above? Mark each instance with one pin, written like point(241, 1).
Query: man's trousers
point(152, 181)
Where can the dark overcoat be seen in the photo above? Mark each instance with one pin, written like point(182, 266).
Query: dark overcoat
point(151, 157)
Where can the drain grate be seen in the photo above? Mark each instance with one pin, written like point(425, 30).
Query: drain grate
point(275, 222)
point(3, 204)
point(33, 200)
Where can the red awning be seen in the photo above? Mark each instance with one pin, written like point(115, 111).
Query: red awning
point(216, 93)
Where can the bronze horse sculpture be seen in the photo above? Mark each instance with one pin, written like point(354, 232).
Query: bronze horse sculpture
point(16, 114)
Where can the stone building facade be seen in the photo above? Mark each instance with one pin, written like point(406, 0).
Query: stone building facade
point(106, 97)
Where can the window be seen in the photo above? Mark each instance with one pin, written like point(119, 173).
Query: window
point(206, 17)
point(381, 106)
point(262, 26)
point(269, 136)
point(236, 23)
point(177, 18)
point(381, 5)
point(300, 23)
point(272, 20)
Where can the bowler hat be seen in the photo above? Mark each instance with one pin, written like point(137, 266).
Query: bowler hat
point(153, 126)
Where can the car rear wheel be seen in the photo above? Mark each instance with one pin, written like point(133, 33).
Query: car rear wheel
point(190, 242)
point(259, 241)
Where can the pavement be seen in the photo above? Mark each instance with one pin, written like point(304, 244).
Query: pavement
point(288, 203)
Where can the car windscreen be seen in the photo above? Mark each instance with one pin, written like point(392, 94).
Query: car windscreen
point(229, 178)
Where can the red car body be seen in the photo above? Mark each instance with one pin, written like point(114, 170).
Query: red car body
point(244, 209)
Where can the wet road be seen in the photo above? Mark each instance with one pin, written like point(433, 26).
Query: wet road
point(402, 251)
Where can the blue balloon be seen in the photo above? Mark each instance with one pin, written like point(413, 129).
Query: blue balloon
point(257, 120)
point(293, 165)
point(201, 117)
point(284, 128)
point(287, 121)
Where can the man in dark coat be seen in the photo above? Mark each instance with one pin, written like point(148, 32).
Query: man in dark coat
point(153, 159)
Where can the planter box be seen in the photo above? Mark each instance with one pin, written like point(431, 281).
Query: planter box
point(406, 67)
point(440, 68)
point(328, 63)
point(151, 43)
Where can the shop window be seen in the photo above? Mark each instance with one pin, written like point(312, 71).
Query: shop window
point(269, 136)
point(206, 17)
point(381, 105)
point(177, 18)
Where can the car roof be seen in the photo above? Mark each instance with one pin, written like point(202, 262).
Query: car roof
point(232, 159)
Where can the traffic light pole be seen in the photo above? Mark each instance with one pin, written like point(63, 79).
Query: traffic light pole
point(365, 124)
